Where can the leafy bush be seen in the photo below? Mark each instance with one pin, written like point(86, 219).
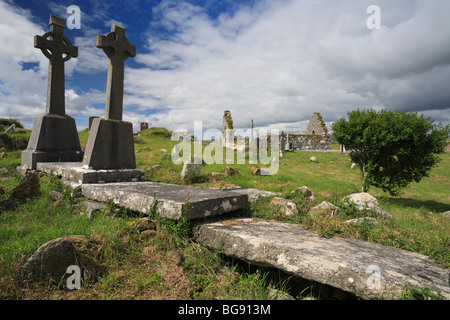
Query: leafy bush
point(392, 149)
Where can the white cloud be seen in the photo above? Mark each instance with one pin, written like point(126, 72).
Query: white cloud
point(279, 61)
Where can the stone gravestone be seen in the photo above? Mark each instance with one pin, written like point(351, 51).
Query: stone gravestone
point(110, 144)
point(144, 125)
point(54, 137)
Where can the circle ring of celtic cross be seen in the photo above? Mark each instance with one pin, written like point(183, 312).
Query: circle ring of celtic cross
point(48, 53)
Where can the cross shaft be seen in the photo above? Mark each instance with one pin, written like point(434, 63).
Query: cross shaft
point(117, 47)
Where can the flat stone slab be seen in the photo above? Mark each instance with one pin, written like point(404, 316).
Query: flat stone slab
point(368, 270)
point(77, 173)
point(172, 200)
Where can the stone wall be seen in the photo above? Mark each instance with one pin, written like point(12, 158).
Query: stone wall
point(308, 142)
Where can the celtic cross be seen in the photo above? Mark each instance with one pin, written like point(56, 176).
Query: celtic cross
point(58, 49)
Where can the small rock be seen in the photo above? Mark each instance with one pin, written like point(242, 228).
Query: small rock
point(275, 294)
point(313, 159)
point(446, 214)
point(146, 234)
point(230, 171)
point(3, 170)
point(56, 195)
point(175, 256)
point(218, 175)
point(360, 221)
point(91, 208)
point(156, 167)
point(76, 192)
point(288, 208)
point(324, 208)
point(145, 224)
point(256, 171)
point(353, 166)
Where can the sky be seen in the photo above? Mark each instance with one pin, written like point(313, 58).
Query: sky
point(273, 61)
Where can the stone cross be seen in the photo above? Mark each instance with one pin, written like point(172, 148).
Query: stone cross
point(117, 47)
point(58, 49)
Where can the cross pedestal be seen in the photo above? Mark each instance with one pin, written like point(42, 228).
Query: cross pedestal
point(54, 137)
point(110, 144)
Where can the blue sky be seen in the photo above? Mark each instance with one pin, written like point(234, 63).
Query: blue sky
point(273, 61)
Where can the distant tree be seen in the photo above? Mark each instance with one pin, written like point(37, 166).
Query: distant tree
point(392, 149)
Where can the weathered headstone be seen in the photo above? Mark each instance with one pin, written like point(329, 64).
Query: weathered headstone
point(110, 143)
point(54, 137)
point(144, 125)
point(10, 129)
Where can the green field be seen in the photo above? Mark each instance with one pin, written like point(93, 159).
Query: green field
point(143, 268)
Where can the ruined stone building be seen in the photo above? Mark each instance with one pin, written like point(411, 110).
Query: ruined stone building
point(316, 137)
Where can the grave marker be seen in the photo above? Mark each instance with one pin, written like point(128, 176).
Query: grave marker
point(110, 144)
point(54, 137)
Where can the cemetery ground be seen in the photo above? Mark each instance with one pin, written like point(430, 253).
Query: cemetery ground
point(164, 263)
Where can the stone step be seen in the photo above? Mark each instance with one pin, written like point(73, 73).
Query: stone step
point(172, 200)
point(367, 270)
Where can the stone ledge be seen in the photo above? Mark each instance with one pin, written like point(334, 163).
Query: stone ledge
point(368, 270)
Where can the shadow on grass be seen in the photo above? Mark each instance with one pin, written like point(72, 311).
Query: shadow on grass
point(429, 205)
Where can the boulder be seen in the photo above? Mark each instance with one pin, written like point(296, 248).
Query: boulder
point(305, 193)
point(324, 208)
point(28, 187)
point(52, 259)
point(359, 198)
point(190, 171)
point(287, 207)
point(365, 202)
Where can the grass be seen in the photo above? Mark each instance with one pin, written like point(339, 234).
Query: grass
point(138, 267)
